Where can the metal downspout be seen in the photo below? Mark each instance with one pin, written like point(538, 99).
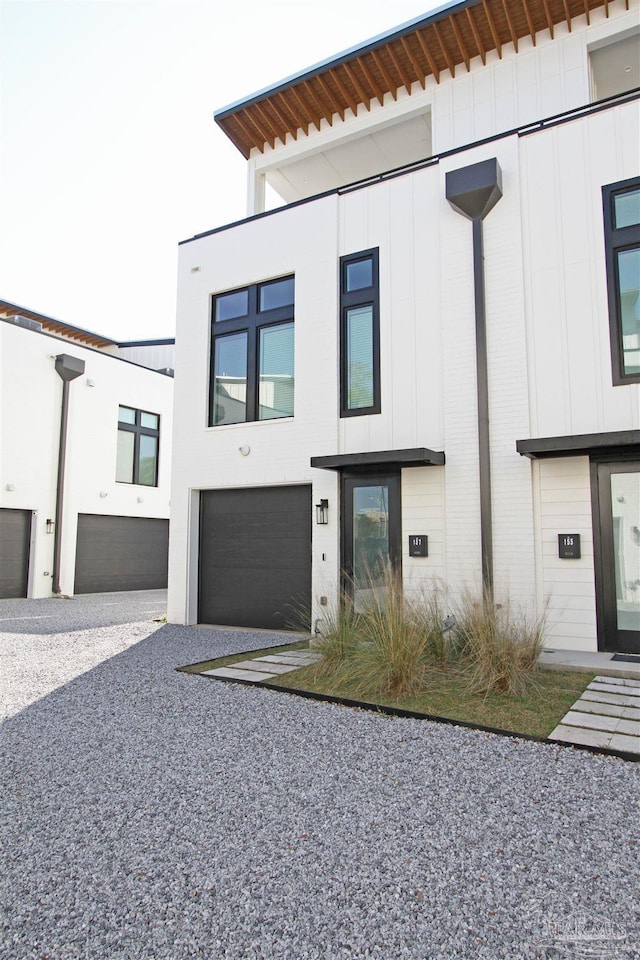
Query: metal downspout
point(473, 191)
point(68, 368)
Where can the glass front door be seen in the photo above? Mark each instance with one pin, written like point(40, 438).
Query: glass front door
point(619, 593)
point(370, 535)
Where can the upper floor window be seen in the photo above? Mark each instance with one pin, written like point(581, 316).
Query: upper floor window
point(622, 248)
point(252, 353)
point(359, 334)
point(138, 440)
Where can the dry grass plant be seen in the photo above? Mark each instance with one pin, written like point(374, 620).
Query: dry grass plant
point(398, 645)
point(499, 646)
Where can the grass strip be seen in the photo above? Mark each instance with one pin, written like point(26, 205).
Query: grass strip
point(549, 696)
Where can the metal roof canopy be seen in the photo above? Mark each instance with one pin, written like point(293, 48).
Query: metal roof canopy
point(414, 457)
point(448, 37)
point(580, 445)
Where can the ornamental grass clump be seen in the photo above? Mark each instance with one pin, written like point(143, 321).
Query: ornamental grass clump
point(389, 645)
point(499, 647)
point(393, 654)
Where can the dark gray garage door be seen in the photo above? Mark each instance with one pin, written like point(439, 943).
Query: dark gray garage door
point(121, 553)
point(15, 537)
point(255, 556)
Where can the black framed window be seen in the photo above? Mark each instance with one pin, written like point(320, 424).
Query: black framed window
point(252, 353)
point(622, 248)
point(359, 334)
point(138, 447)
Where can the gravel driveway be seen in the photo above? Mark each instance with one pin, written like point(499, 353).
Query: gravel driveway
point(155, 815)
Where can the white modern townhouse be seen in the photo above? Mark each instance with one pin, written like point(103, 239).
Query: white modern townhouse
point(428, 355)
point(85, 456)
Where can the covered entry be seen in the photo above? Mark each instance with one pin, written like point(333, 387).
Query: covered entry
point(15, 537)
point(255, 557)
point(121, 553)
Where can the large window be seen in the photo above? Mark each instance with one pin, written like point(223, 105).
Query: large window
point(138, 439)
point(622, 244)
point(252, 353)
point(359, 334)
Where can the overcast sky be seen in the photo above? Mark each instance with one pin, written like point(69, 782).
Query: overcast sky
point(110, 155)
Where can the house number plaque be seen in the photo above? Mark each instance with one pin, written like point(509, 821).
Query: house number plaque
point(569, 546)
point(418, 545)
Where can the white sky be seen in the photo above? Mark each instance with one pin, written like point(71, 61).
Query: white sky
point(110, 155)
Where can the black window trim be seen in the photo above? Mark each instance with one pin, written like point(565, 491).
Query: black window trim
point(366, 296)
point(138, 430)
point(251, 324)
point(617, 239)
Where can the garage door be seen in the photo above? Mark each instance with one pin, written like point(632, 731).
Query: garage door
point(15, 537)
point(121, 553)
point(255, 556)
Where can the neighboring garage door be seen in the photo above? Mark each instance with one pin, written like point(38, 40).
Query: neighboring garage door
point(121, 553)
point(15, 537)
point(255, 556)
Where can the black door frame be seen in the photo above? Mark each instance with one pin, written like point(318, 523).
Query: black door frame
point(348, 481)
point(610, 639)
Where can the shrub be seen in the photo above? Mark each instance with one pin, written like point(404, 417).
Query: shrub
point(499, 647)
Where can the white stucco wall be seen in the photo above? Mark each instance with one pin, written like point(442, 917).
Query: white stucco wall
point(30, 401)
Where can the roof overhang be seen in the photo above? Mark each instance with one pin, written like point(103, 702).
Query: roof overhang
point(585, 444)
point(414, 457)
point(443, 41)
point(57, 327)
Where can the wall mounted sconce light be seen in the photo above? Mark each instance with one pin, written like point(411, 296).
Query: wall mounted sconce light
point(322, 512)
point(10, 487)
point(103, 494)
point(50, 525)
point(90, 382)
point(140, 499)
point(244, 449)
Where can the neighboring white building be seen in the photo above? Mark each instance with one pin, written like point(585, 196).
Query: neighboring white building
point(332, 352)
point(104, 524)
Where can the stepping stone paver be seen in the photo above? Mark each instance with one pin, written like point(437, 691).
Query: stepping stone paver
point(606, 715)
point(286, 658)
point(256, 665)
point(230, 673)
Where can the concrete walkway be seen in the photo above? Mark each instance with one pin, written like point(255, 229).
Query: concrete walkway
point(265, 668)
point(606, 715)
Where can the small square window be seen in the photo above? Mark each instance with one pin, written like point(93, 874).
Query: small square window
point(359, 274)
point(279, 293)
point(627, 208)
point(229, 306)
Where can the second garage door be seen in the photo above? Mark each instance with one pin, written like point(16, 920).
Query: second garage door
point(121, 553)
point(15, 535)
point(255, 557)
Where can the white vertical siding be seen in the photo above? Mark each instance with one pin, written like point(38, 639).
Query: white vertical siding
point(564, 494)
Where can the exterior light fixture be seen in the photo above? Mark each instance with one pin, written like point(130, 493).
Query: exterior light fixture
point(322, 512)
point(50, 525)
point(10, 487)
point(103, 494)
point(244, 449)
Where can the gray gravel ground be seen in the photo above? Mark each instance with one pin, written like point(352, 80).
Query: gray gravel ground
point(152, 815)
